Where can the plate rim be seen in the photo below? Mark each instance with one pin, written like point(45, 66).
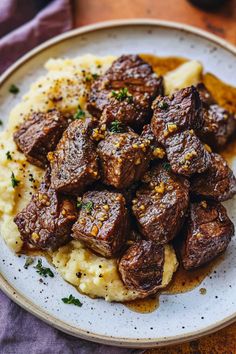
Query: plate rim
point(34, 309)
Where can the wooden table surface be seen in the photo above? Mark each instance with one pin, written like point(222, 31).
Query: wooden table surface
point(222, 23)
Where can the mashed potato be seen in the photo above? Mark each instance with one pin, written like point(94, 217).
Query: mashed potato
point(64, 87)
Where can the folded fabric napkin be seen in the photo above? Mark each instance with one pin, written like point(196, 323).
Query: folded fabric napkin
point(23, 25)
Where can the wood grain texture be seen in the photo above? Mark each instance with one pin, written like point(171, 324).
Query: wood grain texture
point(222, 23)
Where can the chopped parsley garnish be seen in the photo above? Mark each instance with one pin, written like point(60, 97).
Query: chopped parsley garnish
point(15, 182)
point(71, 300)
point(79, 114)
point(166, 166)
point(117, 127)
point(163, 105)
point(28, 262)
point(122, 95)
point(95, 76)
point(1, 122)
point(8, 154)
point(87, 206)
point(43, 270)
point(14, 89)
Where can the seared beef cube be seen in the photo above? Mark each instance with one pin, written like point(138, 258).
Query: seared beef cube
point(217, 182)
point(125, 92)
point(47, 220)
point(157, 151)
point(219, 126)
point(74, 164)
point(160, 204)
point(103, 222)
point(187, 154)
point(141, 267)
point(40, 134)
point(124, 158)
point(208, 233)
point(181, 111)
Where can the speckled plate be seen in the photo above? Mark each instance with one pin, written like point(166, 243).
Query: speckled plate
point(180, 317)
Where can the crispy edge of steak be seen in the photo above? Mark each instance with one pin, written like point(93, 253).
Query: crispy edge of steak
point(171, 115)
point(74, 164)
point(134, 74)
point(39, 134)
point(160, 204)
point(47, 220)
point(104, 227)
point(124, 158)
point(217, 182)
point(141, 267)
point(207, 234)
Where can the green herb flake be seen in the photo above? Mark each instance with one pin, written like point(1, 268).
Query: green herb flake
point(14, 89)
point(71, 300)
point(79, 204)
point(79, 114)
point(95, 76)
point(163, 105)
point(43, 270)
point(1, 122)
point(14, 182)
point(28, 262)
point(166, 166)
point(88, 207)
point(122, 94)
point(8, 154)
point(117, 127)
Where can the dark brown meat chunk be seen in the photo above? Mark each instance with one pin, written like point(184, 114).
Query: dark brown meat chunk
point(181, 111)
point(47, 220)
point(219, 125)
point(217, 182)
point(160, 204)
point(124, 158)
point(157, 151)
point(40, 134)
point(208, 233)
point(74, 164)
point(125, 92)
point(141, 267)
point(103, 222)
point(186, 153)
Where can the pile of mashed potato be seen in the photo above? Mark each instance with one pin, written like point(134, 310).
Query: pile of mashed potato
point(64, 87)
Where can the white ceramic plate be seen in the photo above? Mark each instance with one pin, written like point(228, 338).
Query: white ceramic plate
point(180, 317)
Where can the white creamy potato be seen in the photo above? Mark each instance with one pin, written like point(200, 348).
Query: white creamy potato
point(64, 87)
point(187, 74)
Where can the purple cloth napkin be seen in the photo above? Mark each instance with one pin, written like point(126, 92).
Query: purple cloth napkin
point(23, 25)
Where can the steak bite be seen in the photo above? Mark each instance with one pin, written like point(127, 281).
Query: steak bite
point(217, 182)
point(103, 222)
point(74, 164)
point(147, 267)
point(141, 267)
point(160, 204)
point(125, 92)
point(186, 153)
point(46, 221)
point(40, 134)
point(124, 158)
point(218, 124)
point(182, 111)
point(208, 233)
